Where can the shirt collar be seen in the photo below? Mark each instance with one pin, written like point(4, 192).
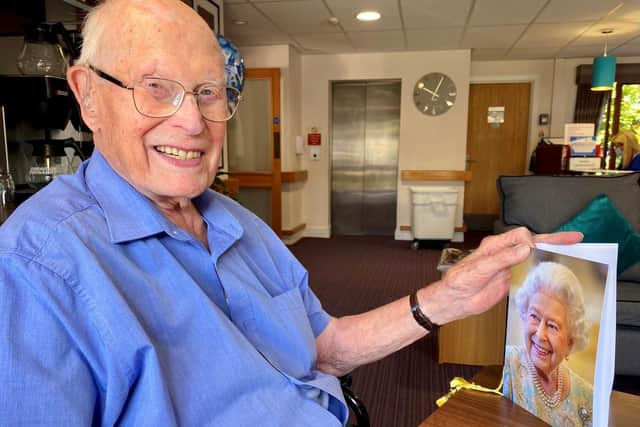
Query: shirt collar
point(131, 216)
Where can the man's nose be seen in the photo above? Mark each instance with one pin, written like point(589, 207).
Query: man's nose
point(188, 115)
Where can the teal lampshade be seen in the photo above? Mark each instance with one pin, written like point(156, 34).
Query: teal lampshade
point(603, 73)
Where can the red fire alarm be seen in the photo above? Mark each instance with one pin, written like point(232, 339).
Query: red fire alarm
point(314, 138)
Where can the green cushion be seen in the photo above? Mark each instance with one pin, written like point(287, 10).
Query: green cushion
point(602, 222)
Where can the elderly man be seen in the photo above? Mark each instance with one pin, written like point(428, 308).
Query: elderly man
point(132, 294)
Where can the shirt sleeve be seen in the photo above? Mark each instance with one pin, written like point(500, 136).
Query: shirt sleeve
point(44, 378)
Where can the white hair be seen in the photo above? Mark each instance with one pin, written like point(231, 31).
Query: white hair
point(557, 280)
point(95, 26)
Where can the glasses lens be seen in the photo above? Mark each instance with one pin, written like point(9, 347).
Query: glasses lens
point(157, 97)
point(217, 103)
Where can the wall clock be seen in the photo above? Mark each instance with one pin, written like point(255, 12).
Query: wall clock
point(434, 94)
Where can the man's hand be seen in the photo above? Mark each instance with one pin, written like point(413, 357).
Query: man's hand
point(480, 280)
point(472, 286)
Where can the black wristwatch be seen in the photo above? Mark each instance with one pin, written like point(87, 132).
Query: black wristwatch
point(422, 319)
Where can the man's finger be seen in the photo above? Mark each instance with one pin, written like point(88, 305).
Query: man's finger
point(480, 270)
point(561, 238)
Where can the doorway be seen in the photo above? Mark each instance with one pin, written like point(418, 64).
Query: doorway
point(494, 149)
point(253, 141)
point(365, 119)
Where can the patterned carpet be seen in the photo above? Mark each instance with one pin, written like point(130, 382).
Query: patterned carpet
point(354, 274)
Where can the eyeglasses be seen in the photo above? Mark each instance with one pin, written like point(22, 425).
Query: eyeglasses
point(158, 98)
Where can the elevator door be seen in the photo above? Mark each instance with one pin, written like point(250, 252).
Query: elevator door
point(364, 157)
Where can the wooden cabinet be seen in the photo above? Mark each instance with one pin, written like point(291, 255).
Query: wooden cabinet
point(476, 340)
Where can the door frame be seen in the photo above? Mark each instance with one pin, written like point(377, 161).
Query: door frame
point(268, 180)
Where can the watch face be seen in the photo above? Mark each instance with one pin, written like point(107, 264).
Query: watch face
point(434, 94)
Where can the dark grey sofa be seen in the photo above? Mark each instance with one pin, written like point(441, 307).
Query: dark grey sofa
point(543, 203)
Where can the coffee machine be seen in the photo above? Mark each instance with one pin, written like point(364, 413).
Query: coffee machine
point(38, 108)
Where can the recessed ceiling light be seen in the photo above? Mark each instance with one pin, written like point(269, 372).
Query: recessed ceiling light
point(239, 22)
point(368, 15)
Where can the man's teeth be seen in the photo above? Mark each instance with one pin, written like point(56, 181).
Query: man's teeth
point(178, 154)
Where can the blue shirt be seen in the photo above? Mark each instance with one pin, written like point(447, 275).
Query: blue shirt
point(110, 314)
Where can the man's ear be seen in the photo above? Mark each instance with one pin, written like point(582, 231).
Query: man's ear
point(79, 79)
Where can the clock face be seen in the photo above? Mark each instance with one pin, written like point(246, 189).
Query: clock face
point(434, 94)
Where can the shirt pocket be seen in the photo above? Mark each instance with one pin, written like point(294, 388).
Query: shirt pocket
point(281, 331)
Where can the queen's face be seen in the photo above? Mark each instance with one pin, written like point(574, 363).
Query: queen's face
point(546, 329)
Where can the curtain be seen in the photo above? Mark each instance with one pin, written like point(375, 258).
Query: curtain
point(589, 105)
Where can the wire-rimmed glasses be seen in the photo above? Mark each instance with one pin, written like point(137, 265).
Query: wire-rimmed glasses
point(157, 97)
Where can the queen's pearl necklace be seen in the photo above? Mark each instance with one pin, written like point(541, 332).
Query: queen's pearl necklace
point(549, 401)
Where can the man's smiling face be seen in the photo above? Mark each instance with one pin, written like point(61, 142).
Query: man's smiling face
point(163, 158)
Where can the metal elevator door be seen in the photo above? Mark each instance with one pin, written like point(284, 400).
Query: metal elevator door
point(364, 157)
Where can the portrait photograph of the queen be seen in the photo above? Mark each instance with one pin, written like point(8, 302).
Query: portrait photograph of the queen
point(553, 324)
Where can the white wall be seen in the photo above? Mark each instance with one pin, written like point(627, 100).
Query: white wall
point(429, 143)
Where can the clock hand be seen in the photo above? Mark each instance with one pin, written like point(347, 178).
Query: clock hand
point(434, 94)
point(438, 87)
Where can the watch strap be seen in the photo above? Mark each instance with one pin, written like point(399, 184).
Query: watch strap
point(422, 319)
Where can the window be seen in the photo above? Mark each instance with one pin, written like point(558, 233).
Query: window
point(621, 113)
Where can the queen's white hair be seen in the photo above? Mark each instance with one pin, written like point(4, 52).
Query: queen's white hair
point(559, 281)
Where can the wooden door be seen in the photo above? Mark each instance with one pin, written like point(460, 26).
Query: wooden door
point(254, 146)
point(494, 150)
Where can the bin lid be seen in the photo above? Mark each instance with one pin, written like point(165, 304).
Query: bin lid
point(433, 189)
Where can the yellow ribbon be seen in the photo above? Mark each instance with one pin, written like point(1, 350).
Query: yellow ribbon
point(459, 383)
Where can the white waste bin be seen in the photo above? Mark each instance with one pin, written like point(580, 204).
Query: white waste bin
point(434, 212)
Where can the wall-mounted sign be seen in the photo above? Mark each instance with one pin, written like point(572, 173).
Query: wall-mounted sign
point(314, 139)
point(495, 115)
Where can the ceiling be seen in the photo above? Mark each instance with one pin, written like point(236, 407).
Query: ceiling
point(492, 29)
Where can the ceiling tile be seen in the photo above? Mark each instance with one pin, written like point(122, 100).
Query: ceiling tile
point(579, 51)
point(629, 12)
point(492, 37)
point(423, 14)
point(261, 39)
point(324, 43)
point(500, 12)
point(434, 39)
point(627, 50)
point(633, 41)
point(377, 41)
point(487, 54)
point(551, 35)
point(531, 53)
point(623, 31)
point(310, 16)
point(560, 11)
point(346, 12)
point(256, 22)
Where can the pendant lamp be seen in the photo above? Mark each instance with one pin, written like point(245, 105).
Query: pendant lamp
point(603, 72)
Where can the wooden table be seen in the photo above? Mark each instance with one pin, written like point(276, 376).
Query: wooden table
point(469, 408)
